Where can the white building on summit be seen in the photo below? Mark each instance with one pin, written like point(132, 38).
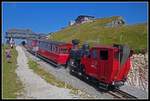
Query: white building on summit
point(82, 19)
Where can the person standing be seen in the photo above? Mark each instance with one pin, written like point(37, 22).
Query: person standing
point(8, 54)
point(12, 42)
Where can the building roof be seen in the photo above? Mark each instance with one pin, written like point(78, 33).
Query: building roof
point(105, 46)
point(82, 16)
point(25, 31)
point(86, 16)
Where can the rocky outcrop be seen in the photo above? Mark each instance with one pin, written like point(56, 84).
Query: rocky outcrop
point(138, 74)
point(116, 22)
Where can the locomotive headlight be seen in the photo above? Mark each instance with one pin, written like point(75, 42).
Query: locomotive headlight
point(113, 83)
point(72, 62)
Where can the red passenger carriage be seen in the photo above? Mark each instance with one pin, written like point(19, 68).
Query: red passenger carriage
point(57, 52)
point(31, 44)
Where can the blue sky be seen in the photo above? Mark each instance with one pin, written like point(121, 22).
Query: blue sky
point(51, 17)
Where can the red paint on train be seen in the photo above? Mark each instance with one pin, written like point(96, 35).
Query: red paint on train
point(58, 52)
point(102, 63)
point(105, 67)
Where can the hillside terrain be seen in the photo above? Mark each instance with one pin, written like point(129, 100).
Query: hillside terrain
point(98, 32)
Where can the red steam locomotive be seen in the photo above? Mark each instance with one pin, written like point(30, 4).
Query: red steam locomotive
point(107, 66)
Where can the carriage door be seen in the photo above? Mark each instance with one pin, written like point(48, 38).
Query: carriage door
point(93, 63)
point(103, 64)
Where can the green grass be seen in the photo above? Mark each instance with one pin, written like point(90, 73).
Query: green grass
point(12, 86)
point(135, 36)
point(51, 78)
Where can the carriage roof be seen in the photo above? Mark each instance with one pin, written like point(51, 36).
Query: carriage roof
point(49, 41)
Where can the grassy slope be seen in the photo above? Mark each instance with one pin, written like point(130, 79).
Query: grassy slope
point(134, 35)
point(11, 84)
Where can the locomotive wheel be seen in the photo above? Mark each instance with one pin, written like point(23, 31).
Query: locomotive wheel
point(113, 88)
point(83, 69)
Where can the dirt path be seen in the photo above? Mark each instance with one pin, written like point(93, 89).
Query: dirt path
point(34, 85)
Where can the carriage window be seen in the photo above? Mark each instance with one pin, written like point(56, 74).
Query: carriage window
point(63, 50)
point(104, 54)
point(40, 44)
point(56, 49)
point(45, 46)
point(94, 54)
point(50, 47)
point(53, 47)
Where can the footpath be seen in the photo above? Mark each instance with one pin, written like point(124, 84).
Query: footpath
point(34, 86)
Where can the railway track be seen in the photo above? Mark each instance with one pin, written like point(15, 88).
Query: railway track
point(119, 94)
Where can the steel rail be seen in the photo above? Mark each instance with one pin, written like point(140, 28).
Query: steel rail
point(121, 94)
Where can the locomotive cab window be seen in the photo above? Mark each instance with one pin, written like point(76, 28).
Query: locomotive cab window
point(104, 54)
